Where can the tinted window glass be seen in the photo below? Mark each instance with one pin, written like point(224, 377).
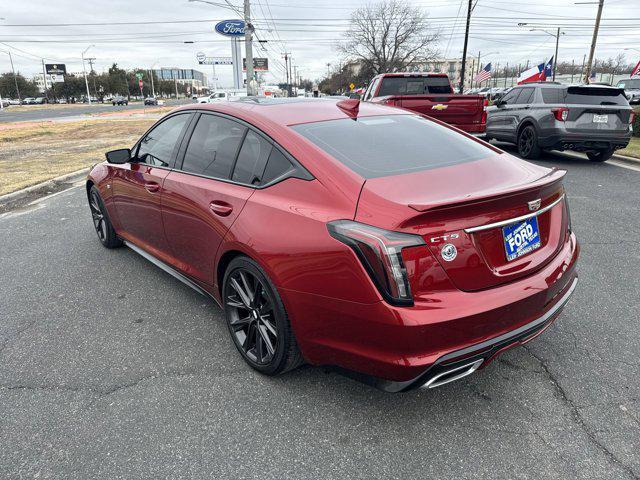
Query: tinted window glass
point(277, 166)
point(552, 95)
point(157, 147)
point(251, 160)
point(526, 94)
point(632, 83)
point(595, 96)
point(414, 85)
point(392, 145)
point(511, 96)
point(213, 146)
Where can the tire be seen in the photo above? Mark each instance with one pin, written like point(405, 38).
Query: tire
point(528, 143)
point(114, 103)
point(101, 223)
point(600, 155)
point(257, 320)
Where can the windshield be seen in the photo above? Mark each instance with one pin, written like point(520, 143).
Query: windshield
point(414, 85)
point(595, 96)
point(392, 145)
point(630, 83)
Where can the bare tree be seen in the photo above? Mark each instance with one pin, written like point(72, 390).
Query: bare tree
point(389, 35)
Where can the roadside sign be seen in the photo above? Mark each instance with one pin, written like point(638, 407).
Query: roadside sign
point(351, 86)
point(55, 68)
point(230, 28)
point(140, 83)
point(215, 61)
point(259, 64)
point(139, 76)
point(201, 57)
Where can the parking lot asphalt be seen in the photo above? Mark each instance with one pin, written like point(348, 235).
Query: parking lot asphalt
point(33, 113)
point(111, 368)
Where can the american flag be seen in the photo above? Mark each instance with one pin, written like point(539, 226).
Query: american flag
point(484, 74)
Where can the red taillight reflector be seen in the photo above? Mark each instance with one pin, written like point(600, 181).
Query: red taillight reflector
point(632, 118)
point(561, 114)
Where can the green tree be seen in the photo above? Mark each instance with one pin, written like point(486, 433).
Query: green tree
point(8, 86)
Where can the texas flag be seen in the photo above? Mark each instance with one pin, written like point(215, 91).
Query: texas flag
point(537, 74)
point(636, 70)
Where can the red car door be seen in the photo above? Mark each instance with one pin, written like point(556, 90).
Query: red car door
point(137, 185)
point(201, 200)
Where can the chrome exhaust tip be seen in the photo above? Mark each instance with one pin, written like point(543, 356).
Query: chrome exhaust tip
point(453, 374)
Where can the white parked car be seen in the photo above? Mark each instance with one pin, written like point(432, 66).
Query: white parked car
point(222, 96)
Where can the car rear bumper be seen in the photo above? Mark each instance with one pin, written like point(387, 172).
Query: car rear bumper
point(473, 128)
point(399, 348)
point(580, 142)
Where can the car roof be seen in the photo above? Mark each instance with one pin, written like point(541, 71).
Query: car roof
point(292, 111)
point(413, 74)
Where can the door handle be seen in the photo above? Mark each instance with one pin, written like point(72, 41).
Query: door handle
point(221, 208)
point(151, 187)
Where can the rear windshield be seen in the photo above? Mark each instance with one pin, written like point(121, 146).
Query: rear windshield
point(414, 86)
point(392, 145)
point(631, 83)
point(595, 96)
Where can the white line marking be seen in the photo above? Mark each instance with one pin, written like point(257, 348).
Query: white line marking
point(40, 200)
point(618, 163)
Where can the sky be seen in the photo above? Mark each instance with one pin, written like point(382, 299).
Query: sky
point(59, 32)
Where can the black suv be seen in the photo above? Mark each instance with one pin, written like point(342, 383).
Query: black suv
point(585, 118)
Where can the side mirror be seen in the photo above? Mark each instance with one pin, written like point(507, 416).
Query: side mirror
point(499, 103)
point(122, 155)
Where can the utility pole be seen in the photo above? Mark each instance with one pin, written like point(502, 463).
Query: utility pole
point(84, 71)
point(44, 78)
point(248, 39)
point(153, 89)
point(15, 78)
point(91, 71)
point(466, 43)
point(506, 72)
point(328, 71)
point(286, 68)
point(295, 78)
point(555, 58)
point(587, 73)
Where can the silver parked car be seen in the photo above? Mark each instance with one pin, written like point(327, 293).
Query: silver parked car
point(585, 118)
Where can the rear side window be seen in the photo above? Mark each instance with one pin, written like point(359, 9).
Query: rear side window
point(595, 96)
point(552, 95)
point(213, 147)
point(526, 94)
point(158, 146)
point(252, 159)
point(277, 166)
point(414, 86)
point(392, 145)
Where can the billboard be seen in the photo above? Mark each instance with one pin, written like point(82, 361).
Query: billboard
point(204, 60)
point(259, 64)
point(55, 68)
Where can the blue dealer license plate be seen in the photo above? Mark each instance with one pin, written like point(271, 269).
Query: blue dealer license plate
point(521, 238)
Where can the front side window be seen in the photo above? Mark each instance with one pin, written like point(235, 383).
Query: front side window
point(382, 146)
point(158, 147)
point(213, 147)
point(525, 97)
point(510, 97)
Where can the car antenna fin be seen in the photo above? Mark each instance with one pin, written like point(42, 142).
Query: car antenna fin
point(350, 106)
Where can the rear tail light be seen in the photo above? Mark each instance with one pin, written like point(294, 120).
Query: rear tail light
point(485, 104)
point(561, 114)
point(632, 118)
point(380, 251)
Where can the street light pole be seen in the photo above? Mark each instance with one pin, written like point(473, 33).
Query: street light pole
point(248, 38)
point(84, 72)
point(15, 78)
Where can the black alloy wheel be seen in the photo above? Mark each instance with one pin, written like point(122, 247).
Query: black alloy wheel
point(528, 143)
point(101, 222)
point(257, 320)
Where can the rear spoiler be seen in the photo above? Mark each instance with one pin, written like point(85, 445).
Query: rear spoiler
point(554, 176)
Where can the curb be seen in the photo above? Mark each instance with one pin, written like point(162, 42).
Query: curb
point(624, 158)
point(67, 178)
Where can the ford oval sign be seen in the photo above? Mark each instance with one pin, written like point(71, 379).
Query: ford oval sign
point(230, 28)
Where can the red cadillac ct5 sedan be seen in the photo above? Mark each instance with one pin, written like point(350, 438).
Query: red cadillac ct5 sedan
point(360, 236)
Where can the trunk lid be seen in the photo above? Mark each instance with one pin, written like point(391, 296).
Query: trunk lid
point(596, 110)
point(441, 204)
point(451, 109)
